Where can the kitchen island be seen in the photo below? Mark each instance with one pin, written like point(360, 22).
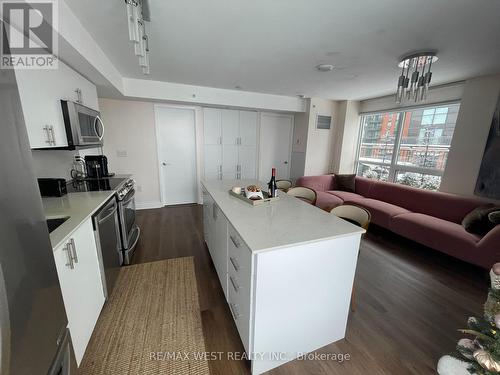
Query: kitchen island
point(286, 268)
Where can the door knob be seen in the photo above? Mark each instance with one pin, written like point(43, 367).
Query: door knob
point(286, 162)
point(165, 163)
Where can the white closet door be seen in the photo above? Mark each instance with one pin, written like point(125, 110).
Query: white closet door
point(248, 128)
point(248, 161)
point(177, 154)
point(275, 145)
point(229, 161)
point(230, 120)
point(212, 126)
point(213, 161)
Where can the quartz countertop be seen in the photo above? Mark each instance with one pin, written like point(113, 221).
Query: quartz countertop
point(78, 206)
point(282, 223)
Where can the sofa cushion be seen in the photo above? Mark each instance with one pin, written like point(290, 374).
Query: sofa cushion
point(317, 183)
point(443, 235)
point(445, 206)
point(382, 212)
point(363, 186)
point(327, 201)
point(345, 182)
point(346, 196)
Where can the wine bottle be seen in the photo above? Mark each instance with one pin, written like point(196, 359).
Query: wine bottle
point(272, 187)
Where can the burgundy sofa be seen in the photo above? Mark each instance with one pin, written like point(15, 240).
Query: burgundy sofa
point(428, 217)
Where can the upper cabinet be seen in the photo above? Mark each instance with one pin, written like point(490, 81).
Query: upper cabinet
point(230, 144)
point(41, 92)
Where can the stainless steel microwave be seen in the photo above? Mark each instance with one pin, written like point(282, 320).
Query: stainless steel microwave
point(84, 127)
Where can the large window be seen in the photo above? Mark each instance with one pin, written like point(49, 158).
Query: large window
point(408, 147)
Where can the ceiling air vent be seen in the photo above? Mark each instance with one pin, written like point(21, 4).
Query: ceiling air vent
point(323, 122)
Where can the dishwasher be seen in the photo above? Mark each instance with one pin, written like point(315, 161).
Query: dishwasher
point(109, 249)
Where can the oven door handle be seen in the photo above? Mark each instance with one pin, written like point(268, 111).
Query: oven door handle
point(113, 211)
point(130, 195)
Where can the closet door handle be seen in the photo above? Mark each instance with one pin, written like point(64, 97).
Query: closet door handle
point(52, 135)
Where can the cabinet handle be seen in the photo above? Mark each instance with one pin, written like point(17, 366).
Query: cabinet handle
point(73, 250)
point(234, 310)
point(235, 264)
point(214, 211)
point(47, 133)
point(69, 258)
point(236, 286)
point(220, 140)
point(53, 136)
point(235, 241)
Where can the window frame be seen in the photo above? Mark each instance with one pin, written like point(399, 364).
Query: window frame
point(394, 167)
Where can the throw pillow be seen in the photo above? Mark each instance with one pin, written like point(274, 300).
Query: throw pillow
point(346, 182)
point(494, 217)
point(477, 220)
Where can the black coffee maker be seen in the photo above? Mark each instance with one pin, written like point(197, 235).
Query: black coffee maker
point(97, 166)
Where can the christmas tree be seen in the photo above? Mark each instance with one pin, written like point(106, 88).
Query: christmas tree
point(479, 354)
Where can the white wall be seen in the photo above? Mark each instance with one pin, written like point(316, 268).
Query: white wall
point(320, 142)
point(347, 135)
point(130, 145)
point(299, 144)
point(479, 99)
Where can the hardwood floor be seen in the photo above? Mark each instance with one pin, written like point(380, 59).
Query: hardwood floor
point(410, 300)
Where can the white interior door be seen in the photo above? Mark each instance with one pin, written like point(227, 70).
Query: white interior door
point(275, 145)
point(177, 154)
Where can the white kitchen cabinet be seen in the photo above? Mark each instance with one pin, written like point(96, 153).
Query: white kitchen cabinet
point(230, 121)
point(230, 139)
point(248, 128)
point(212, 126)
point(41, 92)
point(80, 279)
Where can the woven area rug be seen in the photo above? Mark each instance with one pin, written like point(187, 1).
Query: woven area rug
point(150, 325)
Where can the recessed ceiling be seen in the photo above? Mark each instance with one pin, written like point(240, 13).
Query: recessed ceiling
point(274, 46)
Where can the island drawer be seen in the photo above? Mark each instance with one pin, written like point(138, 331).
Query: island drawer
point(239, 303)
point(239, 255)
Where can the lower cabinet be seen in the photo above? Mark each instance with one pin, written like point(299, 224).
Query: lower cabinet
point(233, 262)
point(78, 270)
point(219, 250)
point(239, 284)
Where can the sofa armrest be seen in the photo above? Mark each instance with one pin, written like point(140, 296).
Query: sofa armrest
point(317, 183)
point(489, 248)
point(491, 239)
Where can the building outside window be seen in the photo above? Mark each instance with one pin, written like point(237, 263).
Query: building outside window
point(407, 147)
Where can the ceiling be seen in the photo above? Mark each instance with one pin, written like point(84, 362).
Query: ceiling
point(273, 46)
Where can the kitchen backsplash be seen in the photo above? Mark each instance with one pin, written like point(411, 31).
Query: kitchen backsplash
point(58, 163)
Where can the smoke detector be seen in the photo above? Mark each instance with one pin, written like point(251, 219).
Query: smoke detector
point(324, 67)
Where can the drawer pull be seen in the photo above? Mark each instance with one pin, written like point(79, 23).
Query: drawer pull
point(235, 241)
point(234, 310)
point(73, 247)
point(69, 261)
point(236, 286)
point(235, 264)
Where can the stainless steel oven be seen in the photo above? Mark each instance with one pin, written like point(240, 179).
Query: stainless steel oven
point(129, 229)
point(84, 126)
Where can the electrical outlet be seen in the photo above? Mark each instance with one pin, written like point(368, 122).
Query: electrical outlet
point(121, 153)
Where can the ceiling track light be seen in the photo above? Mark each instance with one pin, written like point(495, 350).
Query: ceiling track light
point(415, 78)
point(137, 15)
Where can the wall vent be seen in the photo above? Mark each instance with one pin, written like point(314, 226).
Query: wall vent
point(323, 122)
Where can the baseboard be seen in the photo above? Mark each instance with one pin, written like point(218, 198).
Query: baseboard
point(147, 205)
